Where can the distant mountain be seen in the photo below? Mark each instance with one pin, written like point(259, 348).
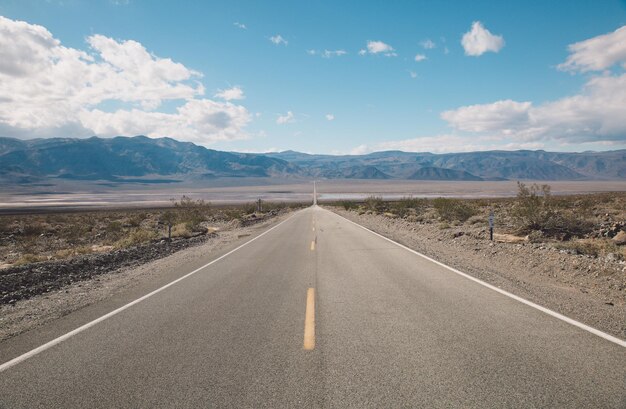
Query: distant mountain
point(433, 173)
point(489, 165)
point(136, 157)
point(163, 160)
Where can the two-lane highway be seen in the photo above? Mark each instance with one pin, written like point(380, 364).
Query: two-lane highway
point(319, 312)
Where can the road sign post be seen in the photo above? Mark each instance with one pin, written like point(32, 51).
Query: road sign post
point(491, 225)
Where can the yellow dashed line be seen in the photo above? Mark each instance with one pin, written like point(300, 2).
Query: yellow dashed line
point(309, 320)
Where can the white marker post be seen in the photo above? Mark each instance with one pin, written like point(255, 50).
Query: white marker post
point(491, 225)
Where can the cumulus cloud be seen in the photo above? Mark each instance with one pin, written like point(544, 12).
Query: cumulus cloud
point(378, 47)
point(479, 40)
point(428, 44)
point(230, 94)
point(597, 53)
point(289, 117)
point(597, 114)
point(443, 144)
point(240, 25)
point(53, 90)
point(327, 53)
point(420, 57)
point(330, 117)
point(278, 40)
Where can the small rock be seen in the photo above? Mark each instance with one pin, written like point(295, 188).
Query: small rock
point(620, 238)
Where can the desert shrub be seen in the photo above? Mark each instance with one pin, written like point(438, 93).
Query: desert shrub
point(348, 205)
point(192, 212)
point(409, 205)
point(136, 219)
point(33, 227)
point(535, 210)
point(453, 209)
point(135, 237)
point(375, 204)
point(593, 248)
point(250, 208)
point(29, 258)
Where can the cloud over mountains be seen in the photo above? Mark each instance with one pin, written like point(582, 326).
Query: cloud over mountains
point(49, 89)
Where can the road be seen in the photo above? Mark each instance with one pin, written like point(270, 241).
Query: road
point(319, 312)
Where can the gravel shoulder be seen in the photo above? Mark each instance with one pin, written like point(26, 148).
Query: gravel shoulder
point(590, 290)
point(135, 271)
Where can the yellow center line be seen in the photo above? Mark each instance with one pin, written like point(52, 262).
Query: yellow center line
point(309, 320)
point(313, 245)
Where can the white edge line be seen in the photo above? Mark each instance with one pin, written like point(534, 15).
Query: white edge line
point(501, 291)
point(90, 324)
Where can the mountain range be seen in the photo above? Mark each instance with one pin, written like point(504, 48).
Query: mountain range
point(162, 160)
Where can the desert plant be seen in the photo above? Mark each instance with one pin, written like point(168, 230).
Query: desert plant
point(190, 211)
point(348, 205)
point(375, 204)
point(453, 209)
point(408, 205)
point(535, 210)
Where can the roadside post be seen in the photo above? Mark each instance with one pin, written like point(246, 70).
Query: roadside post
point(491, 225)
point(258, 205)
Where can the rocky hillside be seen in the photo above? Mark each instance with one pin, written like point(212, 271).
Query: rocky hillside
point(121, 158)
point(165, 160)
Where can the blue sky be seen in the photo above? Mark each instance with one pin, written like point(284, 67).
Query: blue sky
point(319, 76)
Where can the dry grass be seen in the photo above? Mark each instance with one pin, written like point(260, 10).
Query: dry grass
point(583, 224)
point(32, 238)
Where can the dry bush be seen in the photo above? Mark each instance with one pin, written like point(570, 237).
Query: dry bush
point(409, 205)
point(453, 209)
point(348, 205)
point(375, 204)
point(192, 212)
point(136, 237)
point(593, 248)
point(536, 210)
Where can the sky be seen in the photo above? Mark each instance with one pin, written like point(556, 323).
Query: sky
point(338, 77)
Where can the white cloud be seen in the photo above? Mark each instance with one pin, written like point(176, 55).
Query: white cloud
point(362, 52)
point(501, 115)
point(420, 57)
point(240, 25)
point(52, 90)
point(230, 94)
point(597, 114)
point(193, 121)
point(378, 47)
point(288, 118)
point(443, 144)
point(278, 39)
point(428, 44)
point(333, 53)
point(597, 53)
point(330, 117)
point(328, 53)
point(413, 74)
point(479, 40)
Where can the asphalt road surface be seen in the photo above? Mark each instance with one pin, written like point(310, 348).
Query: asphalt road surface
point(319, 312)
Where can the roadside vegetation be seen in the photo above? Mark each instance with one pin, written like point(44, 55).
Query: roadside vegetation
point(32, 238)
point(593, 225)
